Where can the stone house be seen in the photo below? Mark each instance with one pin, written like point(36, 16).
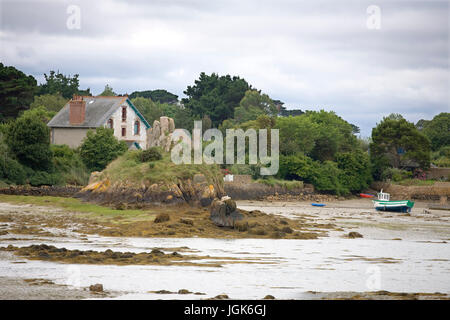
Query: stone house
point(70, 125)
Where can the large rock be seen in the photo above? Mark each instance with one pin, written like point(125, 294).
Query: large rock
point(164, 124)
point(224, 213)
point(161, 133)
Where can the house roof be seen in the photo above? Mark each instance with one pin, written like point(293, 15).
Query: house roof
point(98, 111)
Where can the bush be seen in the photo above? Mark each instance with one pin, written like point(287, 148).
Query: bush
point(151, 154)
point(356, 171)
point(395, 174)
point(68, 163)
point(40, 178)
point(28, 138)
point(12, 171)
point(99, 148)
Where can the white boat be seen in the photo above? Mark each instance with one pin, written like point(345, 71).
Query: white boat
point(383, 203)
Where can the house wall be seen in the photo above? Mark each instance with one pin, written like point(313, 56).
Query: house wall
point(70, 136)
point(118, 124)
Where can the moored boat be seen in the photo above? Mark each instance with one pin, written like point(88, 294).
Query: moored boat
point(383, 203)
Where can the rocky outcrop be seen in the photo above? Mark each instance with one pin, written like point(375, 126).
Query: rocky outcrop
point(224, 212)
point(160, 135)
point(196, 191)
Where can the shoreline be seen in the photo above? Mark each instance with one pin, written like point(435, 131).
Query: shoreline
point(417, 231)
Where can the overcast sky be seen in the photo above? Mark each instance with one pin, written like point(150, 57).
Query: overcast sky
point(309, 54)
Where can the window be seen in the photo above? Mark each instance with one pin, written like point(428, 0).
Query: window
point(110, 124)
point(124, 114)
point(124, 132)
point(137, 127)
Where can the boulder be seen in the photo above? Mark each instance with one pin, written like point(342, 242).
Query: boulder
point(96, 287)
point(164, 121)
point(171, 125)
point(354, 235)
point(224, 213)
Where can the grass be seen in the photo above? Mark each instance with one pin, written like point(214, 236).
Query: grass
point(415, 182)
point(288, 184)
point(128, 168)
point(69, 204)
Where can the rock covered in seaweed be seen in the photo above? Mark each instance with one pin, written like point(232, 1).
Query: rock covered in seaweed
point(224, 212)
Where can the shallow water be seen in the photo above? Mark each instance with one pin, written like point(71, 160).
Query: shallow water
point(288, 270)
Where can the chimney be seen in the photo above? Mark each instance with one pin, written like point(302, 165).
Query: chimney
point(77, 110)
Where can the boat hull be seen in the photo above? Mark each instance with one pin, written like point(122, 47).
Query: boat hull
point(399, 206)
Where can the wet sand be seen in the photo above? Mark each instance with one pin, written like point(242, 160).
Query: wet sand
point(410, 252)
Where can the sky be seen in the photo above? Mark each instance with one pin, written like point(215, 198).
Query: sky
point(361, 59)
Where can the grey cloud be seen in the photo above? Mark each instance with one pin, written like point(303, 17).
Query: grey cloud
point(310, 54)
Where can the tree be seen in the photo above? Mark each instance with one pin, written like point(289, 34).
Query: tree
point(57, 83)
point(184, 119)
point(254, 104)
point(355, 169)
point(150, 110)
point(398, 143)
point(108, 92)
point(51, 102)
point(159, 95)
point(334, 135)
point(438, 131)
point(101, 147)
point(297, 134)
point(216, 96)
point(16, 92)
point(40, 112)
point(28, 138)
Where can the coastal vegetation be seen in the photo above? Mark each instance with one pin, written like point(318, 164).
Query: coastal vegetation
point(316, 147)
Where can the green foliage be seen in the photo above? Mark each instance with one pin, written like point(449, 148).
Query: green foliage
point(356, 172)
point(69, 165)
point(101, 147)
point(395, 174)
point(328, 179)
point(351, 172)
point(41, 113)
point(11, 171)
point(319, 135)
point(289, 185)
point(16, 92)
point(438, 131)
point(129, 167)
point(151, 154)
point(297, 134)
point(250, 169)
point(334, 135)
point(154, 110)
point(184, 119)
point(216, 96)
point(28, 139)
point(59, 84)
point(108, 92)
point(399, 143)
point(159, 95)
point(253, 105)
point(44, 178)
point(150, 110)
point(51, 102)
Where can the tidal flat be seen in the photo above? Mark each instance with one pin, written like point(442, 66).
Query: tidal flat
point(398, 257)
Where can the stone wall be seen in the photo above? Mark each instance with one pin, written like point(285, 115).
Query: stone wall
point(438, 174)
point(55, 191)
point(258, 191)
point(399, 192)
